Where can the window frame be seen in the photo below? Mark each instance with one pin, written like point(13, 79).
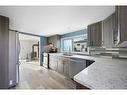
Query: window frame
point(72, 37)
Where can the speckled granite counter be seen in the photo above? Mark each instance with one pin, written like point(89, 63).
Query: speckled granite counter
point(104, 73)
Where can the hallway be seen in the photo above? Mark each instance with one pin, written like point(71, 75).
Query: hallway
point(33, 76)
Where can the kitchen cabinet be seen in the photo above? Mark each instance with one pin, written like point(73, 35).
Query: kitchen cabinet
point(66, 66)
point(122, 23)
point(66, 62)
point(55, 40)
point(109, 28)
point(95, 34)
point(53, 62)
point(60, 65)
point(114, 27)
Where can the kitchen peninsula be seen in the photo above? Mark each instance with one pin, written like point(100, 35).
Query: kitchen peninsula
point(103, 73)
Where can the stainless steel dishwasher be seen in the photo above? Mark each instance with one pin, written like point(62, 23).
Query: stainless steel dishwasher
point(76, 65)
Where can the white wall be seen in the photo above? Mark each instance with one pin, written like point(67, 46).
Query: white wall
point(26, 48)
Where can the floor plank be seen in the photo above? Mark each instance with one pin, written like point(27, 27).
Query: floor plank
point(33, 76)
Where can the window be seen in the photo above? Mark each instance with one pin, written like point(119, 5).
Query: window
point(75, 44)
point(67, 45)
point(80, 44)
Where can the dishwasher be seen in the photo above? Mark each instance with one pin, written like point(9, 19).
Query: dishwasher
point(76, 65)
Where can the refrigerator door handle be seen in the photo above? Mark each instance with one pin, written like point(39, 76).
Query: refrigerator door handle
point(18, 52)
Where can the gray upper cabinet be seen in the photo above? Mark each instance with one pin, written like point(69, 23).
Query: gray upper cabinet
point(122, 23)
point(108, 31)
point(95, 34)
point(55, 40)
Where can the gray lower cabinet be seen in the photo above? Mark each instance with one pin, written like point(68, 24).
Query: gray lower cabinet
point(66, 66)
point(60, 65)
point(53, 62)
point(66, 63)
point(63, 65)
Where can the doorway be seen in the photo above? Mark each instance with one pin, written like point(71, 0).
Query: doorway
point(29, 49)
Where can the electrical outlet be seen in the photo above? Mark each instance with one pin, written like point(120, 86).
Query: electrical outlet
point(11, 82)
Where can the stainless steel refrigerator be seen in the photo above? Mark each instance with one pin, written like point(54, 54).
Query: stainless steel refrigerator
point(9, 55)
point(14, 48)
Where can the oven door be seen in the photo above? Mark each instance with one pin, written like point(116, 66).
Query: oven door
point(45, 59)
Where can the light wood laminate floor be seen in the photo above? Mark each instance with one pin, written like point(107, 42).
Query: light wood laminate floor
point(37, 77)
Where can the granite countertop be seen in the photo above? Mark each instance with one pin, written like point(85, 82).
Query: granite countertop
point(104, 73)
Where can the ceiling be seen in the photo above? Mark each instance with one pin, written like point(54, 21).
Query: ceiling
point(50, 20)
point(28, 37)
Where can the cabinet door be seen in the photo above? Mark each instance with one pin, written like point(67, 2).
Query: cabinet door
point(122, 19)
point(53, 65)
point(89, 35)
point(53, 62)
point(115, 27)
point(99, 34)
point(60, 65)
point(66, 66)
point(108, 32)
point(95, 34)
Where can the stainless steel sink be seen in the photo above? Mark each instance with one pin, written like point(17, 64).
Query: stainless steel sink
point(68, 54)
